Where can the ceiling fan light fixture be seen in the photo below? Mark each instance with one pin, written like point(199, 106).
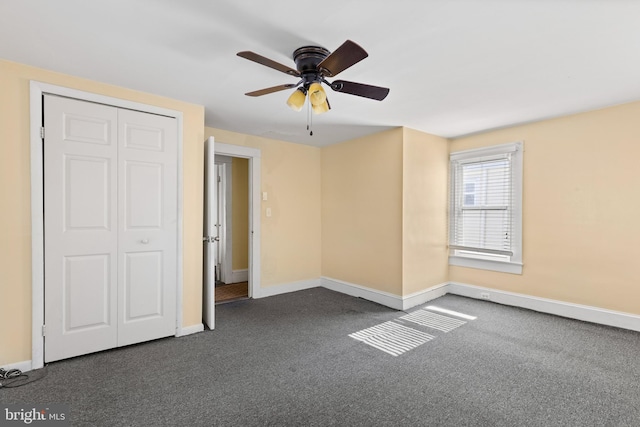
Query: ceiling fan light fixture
point(317, 95)
point(296, 99)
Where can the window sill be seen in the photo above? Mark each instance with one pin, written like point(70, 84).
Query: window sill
point(483, 264)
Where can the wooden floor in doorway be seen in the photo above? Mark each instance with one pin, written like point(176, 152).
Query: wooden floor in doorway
point(231, 292)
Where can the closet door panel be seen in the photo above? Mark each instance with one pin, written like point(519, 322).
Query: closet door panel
point(147, 226)
point(81, 233)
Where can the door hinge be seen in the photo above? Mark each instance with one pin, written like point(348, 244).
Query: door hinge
point(44, 331)
point(41, 132)
point(219, 179)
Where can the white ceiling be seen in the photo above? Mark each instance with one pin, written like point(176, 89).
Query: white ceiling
point(454, 67)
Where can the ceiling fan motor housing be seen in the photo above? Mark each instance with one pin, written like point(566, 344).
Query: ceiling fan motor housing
point(307, 59)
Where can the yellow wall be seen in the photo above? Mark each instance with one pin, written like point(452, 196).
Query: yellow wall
point(290, 241)
point(240, 213)
point(425, 160)
point(362, 211)
point(581, 209)
point(15, 193)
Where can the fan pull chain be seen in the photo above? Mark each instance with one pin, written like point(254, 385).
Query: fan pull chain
point(309, 119)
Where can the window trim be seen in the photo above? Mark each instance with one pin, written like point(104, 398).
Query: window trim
point(514, 266)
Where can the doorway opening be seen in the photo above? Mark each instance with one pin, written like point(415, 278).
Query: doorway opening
point(232, 229)
point(211, 238)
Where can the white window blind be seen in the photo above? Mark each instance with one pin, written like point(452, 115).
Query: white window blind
point(485, 198)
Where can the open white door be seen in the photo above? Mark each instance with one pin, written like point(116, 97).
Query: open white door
point(210, 233)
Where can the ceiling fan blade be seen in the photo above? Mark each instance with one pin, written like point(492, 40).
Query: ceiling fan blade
point(270, 90)
point(251, 56)
point(348, 54)
point(367, 91)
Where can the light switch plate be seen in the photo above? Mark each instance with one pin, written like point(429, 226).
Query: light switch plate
point(268, 212)
point(264, 195)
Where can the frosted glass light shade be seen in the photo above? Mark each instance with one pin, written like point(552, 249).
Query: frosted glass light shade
point(321, 108)
point(296, 100)
point(317, 95)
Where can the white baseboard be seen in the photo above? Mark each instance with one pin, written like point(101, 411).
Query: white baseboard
point(380, 297)
point(24, 366)
point(586, 313)
point(559, 308)
point(424, 296)
point(188, 330)
point(385, 298)
point(238, 276)
point(285, 288)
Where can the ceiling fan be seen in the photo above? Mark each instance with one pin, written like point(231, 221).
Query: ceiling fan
point(313, 65)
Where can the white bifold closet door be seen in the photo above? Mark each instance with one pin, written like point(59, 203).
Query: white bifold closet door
point(110, 185)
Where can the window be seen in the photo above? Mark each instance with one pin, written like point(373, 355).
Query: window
point(485, 217)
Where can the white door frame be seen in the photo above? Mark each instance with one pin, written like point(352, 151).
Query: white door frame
point(254, 155)
point(37, 89)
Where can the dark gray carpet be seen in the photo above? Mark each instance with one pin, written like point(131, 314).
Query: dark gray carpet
point(288, 361)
